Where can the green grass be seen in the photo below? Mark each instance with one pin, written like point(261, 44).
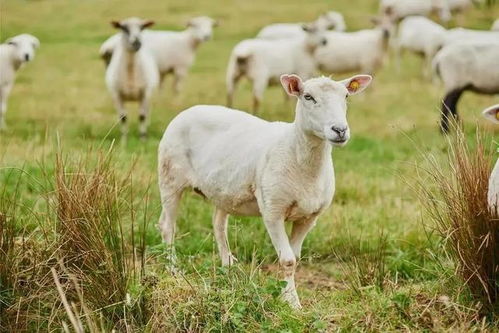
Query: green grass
point(60, 103)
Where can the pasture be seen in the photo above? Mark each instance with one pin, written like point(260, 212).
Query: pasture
point(372, 263)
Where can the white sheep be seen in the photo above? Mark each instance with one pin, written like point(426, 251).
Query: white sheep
point(495, 25)
point(247, 166)
point(263, 61)
point(398, 9)
point(422, 36)
point(466, 67)
point(173, 51)
point(362, 50)
point(492, 114)
point(132, 74)
point(14, 53)
point(328, 21)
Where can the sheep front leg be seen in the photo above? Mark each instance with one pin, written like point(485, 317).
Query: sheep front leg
point(143, 120)
point(298, 234)
point(118, 104)
point(220, 219)
point(287, 259)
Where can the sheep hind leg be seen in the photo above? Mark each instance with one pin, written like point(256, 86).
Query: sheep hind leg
point(231, 87)
point(3, 111)
point(449, 109)
point(172, 183)
point(298, 234)
point(220, 220)
point(259, 86)
point(170, 199)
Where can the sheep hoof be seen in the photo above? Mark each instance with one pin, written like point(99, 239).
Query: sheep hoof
point(229, 261)
point(291, 297)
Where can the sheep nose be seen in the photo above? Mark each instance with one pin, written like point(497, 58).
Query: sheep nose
point(136, 44)
point(324, 41)
point(341, 131)
point(26, 57)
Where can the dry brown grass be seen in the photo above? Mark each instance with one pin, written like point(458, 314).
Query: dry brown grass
point(86, 259)
point(456, 200)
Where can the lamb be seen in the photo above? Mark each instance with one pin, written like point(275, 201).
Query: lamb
point(174, 52)
point(495, 25)
point(362, 50)
point(132, 74)
point(263, 61)
point(399, 9)
point(250, 167)
point(466, 66)
point(14, 53)
point(422, 36)
point(328, 21)
point(492, 114)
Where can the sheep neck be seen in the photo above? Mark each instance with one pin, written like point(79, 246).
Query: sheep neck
point(129, 57)
point(194, 42)
point(309, 48)
point(16, 62)
point(311, 151)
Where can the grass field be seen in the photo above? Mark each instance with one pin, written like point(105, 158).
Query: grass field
point(373, 263)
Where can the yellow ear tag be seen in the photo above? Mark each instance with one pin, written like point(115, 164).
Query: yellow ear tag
point(354, 85)
point(497, 115)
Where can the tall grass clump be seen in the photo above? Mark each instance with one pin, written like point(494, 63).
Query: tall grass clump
point(92, 205)
point(81, 264)
point(456, 199)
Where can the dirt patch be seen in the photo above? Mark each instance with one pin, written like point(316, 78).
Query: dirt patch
point(311, 278)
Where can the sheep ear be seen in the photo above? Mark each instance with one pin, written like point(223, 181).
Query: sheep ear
point(147, 24)
point(357, 83)
point(36, 42)
point(189, 24)
point(492, 114)
point(307, 27)
point(116, 24)
point(292, 84)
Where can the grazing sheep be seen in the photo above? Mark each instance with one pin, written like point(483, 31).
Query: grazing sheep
point(399, 9)
point(15, 52)
point(263, 61)
point(495, 25)
point(328, 21)
point(173, 51)
point(362, 50)
point(247, 166)
point(492, 114)
point(466, 66)
point(132, 74)
point(422, 36)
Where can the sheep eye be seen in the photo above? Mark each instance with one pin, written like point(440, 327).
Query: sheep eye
point(12, 43)
point(309, 97)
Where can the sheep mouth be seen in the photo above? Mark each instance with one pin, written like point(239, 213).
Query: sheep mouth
point(338, 141)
